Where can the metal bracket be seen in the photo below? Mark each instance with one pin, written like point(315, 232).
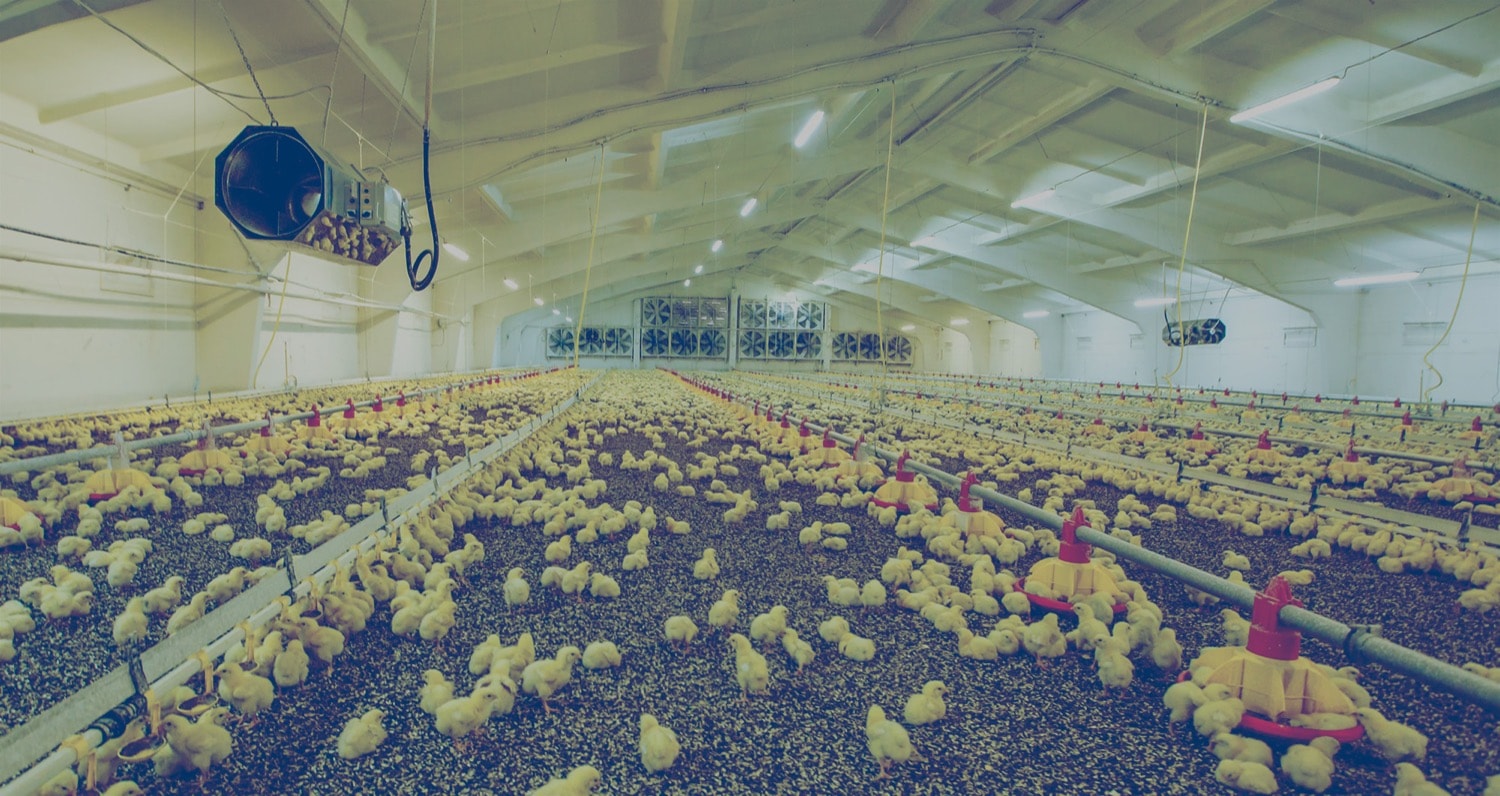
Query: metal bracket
point(1352, 641)
point(138, 676)
point(291, 575)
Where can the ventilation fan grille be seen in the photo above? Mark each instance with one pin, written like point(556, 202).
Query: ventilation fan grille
point(593, 341)
point(868, 347)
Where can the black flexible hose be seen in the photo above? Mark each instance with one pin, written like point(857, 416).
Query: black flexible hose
point(414, 267)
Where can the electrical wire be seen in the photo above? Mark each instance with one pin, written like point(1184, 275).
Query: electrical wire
point(246, 59)
point(286, 279)
point(414, 267)
point(885, 203)
point(1462, 283)
point(1187, 233)
point(588, 270)
point(334, 76)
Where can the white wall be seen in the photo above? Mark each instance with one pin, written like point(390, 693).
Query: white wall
point(1469, 360)
point(80, 339)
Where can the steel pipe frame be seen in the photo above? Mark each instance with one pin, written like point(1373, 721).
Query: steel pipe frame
point(1357, 643)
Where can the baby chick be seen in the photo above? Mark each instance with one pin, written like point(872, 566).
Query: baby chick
point(887, 741)
point(362, 735)
point(707, 566)
point(725, 610)
point(750, 668)
point(927, 706)
point(658, 744)
point(579, 782)
point(681, 629)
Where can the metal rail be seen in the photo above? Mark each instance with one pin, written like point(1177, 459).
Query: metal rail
point(1358, 643)
point(104, 707)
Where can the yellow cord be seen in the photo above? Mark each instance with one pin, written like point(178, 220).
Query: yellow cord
point(286, 279)
point(589, 270)
point(1186, 235)
point(890, 146)
point(1462, 283)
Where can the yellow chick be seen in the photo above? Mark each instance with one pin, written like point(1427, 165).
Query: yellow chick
point(601, 655)
point(435, 691)
point(872, 595)
point(659, 746)
point(750, 667)
point(1310, 765)
point(927, 706)
point(1181, 699)
point(1217, 715)
point(725, 610)
point(1248, 777)
point(517, 590)
point(798, 650)
point(362, 735)
point(291, 667)
point(1044, 640)
point(131, 626)
point(707, 566)
point(579, 782)
point(1166, 652)
point(1410, 781)
point(187, 614)
point(1236, 628)
point(1396, 741)
point(202, 744)
point(856, 648)
point(1233, 560)
point(544, 678)
point(766, 628)
point(681, 630)
point(887, 741)
point(458, 718)
point(249, 693)
point(603, 586)
point(1228, 746)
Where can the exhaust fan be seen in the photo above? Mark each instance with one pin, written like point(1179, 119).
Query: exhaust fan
point(1204, 331)
point(274, 185)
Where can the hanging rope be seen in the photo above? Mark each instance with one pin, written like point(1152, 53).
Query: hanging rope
point(885, 202)
point(589, 269)
point(1462, 283)
point(1187, 233)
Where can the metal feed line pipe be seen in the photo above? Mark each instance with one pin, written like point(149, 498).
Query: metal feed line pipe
point(1357, 642)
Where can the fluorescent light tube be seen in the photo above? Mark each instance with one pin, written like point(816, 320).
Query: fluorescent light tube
point(1035, 314)
point(1284, 100)
point(805, 134)
point(718, 244)
point(1375, 279)
point(687, 283)
point(556, 311)
point(698, 269)
point(910, 327)
point(748, 207)
point(1160, 301)
point(453, 249)
point(512, 284)
point(1039, 196)
point(959, 322)
point(538, 301)
point(925, 242)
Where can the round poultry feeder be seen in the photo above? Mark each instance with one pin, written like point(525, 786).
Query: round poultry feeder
point(1072, 573)
point(206, 456)
point(1349, 469)
point(1198, 443)
point(107, 483)
point(1213, 406)
point(829, 454)
point(1475, 432)
point(858, 464)
point(905, 489)
point(971, 519)
point(11, 512)
point(144, 748)
point(266, 442)
point(1263, 453)
point(804, 438)
point(1406, 425)
point(1461, 485)
point(1142, 435)
point(1272, 678)
point(1096, 427)
point(314, 429)
point(786, 433)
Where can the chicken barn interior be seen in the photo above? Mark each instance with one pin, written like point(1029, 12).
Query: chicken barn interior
point(749, 396)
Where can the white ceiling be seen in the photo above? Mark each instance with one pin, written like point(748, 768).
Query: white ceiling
point(694, 105)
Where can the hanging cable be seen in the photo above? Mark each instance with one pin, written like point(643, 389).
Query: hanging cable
point(338, 50)
point(1187, 233)
point(1462, 283)
point(414, 267)
point(885, 203)
point(248, 68)
point(286, 279)
point(588, 269)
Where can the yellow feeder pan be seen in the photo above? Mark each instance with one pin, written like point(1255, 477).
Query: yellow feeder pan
point(1462, 485)
point(785, 433)
point(829, 454)
point(1213, 406)
point(1296, 418)
point(1263, 453)
point(1349, 469)
point(12, 510)
point(349, 423)
point(1406, 426)
point(1272, 678)
point(971, 519)
point(144, 748)
point(1475, 432)
point(107, 483)
point(858, 465)
point(205, 457)
point(314, 429)
point(1198, 443)
point(1072, 575)
point(905, 490)
point(1251, 414)
point(1097, 428)
point(207, 699)
point(266, 442)
point(1142, 435)
point(804, 441)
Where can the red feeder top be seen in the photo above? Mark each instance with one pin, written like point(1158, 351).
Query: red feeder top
point(1355, 401)
point(1396, 403)
point(1226, 391)
point(316, 419)
point(1317, 399)
point(1144, 426)
point(827, 440)
point(1350, 455)
point(1264, 442)
point(802, 430)
point(1179, 399)
point(1477, 425)
point(265, 430)
point(784, 422)
point(349, 410)
point(1406, 418)
point(1460, 468)
point(1268, 638)
point(1213, 402)
point(1283, 397)
point(1197, 431)
point(1251, 405)
point(1098, 421)
point(858, 443)
point(1059, 414)
point(1070, 549)
point(401, 398)
point(966, 503)
point(904, 475)
point(379, 405)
